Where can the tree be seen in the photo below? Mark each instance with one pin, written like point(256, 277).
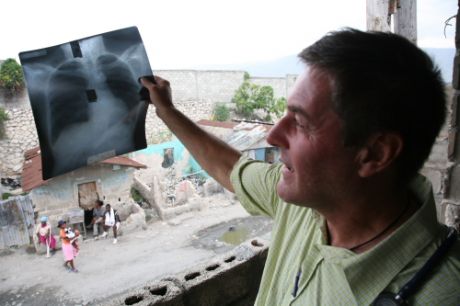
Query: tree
point(257, 102)
point(11, 77)
point(220, 112)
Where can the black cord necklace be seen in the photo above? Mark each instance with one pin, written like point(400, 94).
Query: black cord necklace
point(395, 221)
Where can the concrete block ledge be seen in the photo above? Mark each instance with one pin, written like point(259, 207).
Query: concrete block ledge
point(230, 279)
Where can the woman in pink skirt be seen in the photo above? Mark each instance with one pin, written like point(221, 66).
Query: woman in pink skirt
point(68, 249)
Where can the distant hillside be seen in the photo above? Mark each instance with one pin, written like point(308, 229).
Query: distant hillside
point(291, 65)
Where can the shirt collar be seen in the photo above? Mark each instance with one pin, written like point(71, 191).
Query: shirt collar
point(369, 273)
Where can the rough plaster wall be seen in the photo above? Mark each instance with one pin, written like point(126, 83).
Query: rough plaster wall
point(279, 85)
point(20, 135)
point(218, 86)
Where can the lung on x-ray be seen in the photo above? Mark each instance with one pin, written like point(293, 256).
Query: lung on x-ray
point(85, 98)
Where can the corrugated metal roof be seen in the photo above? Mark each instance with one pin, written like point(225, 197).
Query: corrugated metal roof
point(220, 124)
point(123, 161)
point(242, 139)
point(32, 168)
point(245, 135)
point(238, 125)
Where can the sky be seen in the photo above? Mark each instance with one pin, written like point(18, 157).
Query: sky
point(181, 34)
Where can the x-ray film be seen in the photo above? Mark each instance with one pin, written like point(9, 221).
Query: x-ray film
point(85, 98)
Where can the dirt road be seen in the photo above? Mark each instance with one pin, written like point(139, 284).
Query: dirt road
point(105, 269)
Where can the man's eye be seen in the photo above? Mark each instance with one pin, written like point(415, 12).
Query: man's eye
point(300, 124)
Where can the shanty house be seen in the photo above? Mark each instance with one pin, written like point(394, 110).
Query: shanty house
point(248, 137)
point(73, 194)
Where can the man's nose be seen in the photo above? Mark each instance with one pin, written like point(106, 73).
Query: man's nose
point(277, 135)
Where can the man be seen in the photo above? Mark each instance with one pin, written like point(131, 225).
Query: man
point(352, 218)
point(98, 218)
point(111, 220)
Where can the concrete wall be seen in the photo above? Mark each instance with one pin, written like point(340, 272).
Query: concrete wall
point(230, 279)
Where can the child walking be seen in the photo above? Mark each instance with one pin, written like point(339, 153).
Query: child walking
point(68, 248)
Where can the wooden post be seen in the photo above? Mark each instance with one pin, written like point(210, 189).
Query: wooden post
point(404, 13)
point(377, 12)
point(405, 19)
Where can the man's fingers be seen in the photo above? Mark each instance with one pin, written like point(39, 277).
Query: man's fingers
point(146, 82)
point(149, 81)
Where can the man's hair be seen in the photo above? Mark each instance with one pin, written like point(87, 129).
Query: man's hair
point(383, 82)
point(99, 202)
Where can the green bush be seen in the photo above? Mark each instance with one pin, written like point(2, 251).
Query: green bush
point(3, 118)
point(6, 195)
point(220, 112)
point(136, 196)
point(3, 115)
point(11, 77)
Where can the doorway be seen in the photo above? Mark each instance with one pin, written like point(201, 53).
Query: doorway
point(87, 195)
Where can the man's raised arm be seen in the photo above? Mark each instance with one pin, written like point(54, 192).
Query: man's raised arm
point(214, 155)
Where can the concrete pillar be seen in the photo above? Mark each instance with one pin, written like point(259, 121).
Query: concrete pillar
point(451, 201)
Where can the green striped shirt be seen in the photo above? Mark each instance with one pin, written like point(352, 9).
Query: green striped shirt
point(336, 276)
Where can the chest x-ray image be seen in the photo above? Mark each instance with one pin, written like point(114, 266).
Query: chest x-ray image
point(86, 99)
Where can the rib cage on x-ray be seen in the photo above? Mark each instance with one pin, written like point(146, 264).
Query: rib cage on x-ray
point(85, 99)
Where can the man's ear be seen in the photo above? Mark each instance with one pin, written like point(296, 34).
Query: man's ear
point(379, 152)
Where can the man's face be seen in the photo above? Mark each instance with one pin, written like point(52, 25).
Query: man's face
point(317, 167)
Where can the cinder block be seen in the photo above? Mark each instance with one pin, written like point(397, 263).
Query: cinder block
point(228, 281)
point(158, 293)
point(231, 279)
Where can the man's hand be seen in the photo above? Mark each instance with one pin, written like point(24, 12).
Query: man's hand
point(160, 94)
